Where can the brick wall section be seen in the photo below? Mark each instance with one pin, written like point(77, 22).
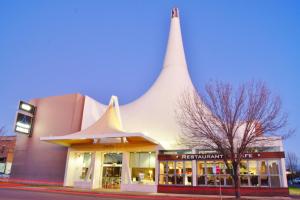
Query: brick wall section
point(7, 145)
point(245, 191)
point(39, 160)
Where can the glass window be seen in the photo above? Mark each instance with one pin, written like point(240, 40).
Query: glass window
point(163, 172)
point(86, 165)
point(275, 181)
point(179, 173)
point(254, 180)
point(229, 180)
point(222, 167)
point(252, 167)
point(228, 170)
point(142, 165)
point(82, 164)
point(220, 178)
point(143, 175)
point(263, 167)
point(200, 168)
point(112, 158)
point(211, 180)
point(210, 167)
point(171, 170)
point(273, 167)
point(201, 173)
point(188, 173)
point(142, 159)
point(264, 180)
point(243, 167)
point(244, 180)
point(163, 167)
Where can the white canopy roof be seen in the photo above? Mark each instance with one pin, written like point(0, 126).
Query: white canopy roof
point(108, 129)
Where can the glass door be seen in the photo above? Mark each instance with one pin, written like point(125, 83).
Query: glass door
point(112, 171)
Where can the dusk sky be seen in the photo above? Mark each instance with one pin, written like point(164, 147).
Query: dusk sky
point(104, 48)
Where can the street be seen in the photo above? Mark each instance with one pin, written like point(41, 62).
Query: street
point(11, 191)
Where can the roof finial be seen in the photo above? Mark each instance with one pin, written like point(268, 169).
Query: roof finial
point(175, 12)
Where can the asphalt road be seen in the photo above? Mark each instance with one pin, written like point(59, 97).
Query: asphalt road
point(11, 191)
point(11, 194)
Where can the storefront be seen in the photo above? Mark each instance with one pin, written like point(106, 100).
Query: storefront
point(134, 147)
point(206, 173)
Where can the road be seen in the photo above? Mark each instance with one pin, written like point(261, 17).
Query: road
point(11, 191)
point(9, 194)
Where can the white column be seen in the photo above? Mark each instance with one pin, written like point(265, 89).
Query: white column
point(70, 169)
point(96, 173)
point(157, 170)
point(126, 173)
point(194, 169)
point(282, 172)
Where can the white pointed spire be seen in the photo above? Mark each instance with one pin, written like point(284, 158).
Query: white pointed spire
point(175, 52)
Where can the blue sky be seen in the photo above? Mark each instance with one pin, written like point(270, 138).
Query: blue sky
point(104, 48)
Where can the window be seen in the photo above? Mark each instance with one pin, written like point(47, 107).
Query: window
point(82, 162)
point(142, 165)
point(253, 173)
point(112, 158)
point(215, 173)
point(163, 172)
point(263, 169)
point(188, 173)
point(175, 172)
point(273, 166)
point(244, 173)
point(201, 173)
point(179, 173)
point(171, 174)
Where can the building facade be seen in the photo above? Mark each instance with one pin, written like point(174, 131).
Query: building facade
point(7, 145)
point(134, 147)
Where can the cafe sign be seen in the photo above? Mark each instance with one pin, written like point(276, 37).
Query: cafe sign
point(219, 156)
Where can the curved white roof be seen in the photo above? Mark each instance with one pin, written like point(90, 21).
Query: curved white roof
point(154, 112)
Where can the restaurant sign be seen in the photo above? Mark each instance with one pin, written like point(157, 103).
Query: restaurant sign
point(218, 156)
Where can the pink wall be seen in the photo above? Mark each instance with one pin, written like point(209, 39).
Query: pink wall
point(39, 160)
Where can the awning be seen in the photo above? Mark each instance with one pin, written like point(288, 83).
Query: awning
point(107, 130)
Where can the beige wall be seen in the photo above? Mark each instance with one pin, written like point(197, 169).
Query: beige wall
point(42, 161)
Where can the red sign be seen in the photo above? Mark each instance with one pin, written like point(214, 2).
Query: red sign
point(200, 156)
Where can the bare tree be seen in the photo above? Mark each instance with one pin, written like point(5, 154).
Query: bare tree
point(230, 121)
point(2, 138)
point(2, 132)
point(292, 163)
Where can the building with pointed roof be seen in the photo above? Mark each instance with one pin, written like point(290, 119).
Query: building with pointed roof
point(134, 147)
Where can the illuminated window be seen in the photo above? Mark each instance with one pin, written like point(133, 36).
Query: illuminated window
point(188, 173)
point(175, 172)
point(274, 173)
point(201, 173)
point(142, 165)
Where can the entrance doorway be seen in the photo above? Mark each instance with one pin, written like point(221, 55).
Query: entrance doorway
point(112, 171)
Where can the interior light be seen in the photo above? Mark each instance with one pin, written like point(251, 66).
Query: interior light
point(22, 125)
point(22, 130)
point(26, 107)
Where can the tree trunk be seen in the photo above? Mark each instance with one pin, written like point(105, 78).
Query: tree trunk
point(236, 187)
point(236, 181)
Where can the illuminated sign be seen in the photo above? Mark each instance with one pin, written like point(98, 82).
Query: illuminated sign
point(211, 156)
point(25, 118)
point(24, 123)
point(27, 107)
